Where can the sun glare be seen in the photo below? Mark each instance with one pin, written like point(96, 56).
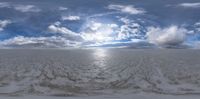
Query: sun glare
point(99, 32)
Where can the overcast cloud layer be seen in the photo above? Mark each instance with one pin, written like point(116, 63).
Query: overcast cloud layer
point(100, 23)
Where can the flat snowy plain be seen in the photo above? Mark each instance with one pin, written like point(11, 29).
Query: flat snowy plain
point(99, 74)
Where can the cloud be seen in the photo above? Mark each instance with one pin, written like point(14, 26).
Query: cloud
point(4, 5)
point(130, 29)
point(197, 27)
point(39, 42)
point(190, 5)
point(172, 35)
point(3, 24)
point(26, 8)
point(71, 18)
point(63, 30)
point(135, 43)
point(62, 8)
point(126, 9)
point(99, 32)
point(19, 7)
point(101, 14)
point(197, 24)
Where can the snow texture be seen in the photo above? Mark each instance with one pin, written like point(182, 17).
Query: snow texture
point(88, 72)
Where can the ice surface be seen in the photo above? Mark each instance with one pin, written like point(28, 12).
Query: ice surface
point(83, 72)
point(119, 96)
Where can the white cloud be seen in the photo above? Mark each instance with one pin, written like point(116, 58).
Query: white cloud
point(172, 35)
point(130, 29)
point(41, 42)
point(190, 5)
point(71, 18)
point(62, 8)
point(99, 32)
point(126, 9)
point(101, 14)
point(67, 38)
point(4, 5)
point(26, 8)
point(63, 30)
point(19, 7)
point(106, 32)
point(125, 20)
point(197, 24)
point(197, 27)
point(3, 24)
point(57, 23)
point(127, 31)
point(194, 29)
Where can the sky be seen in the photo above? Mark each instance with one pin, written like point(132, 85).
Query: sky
point(99, 23)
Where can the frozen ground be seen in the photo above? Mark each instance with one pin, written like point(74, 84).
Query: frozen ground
point(104, 73)
point(119, 96)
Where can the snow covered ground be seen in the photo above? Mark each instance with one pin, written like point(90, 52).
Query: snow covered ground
point(119, 96)
point(99, 73)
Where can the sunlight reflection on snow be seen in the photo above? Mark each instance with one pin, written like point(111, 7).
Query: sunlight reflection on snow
point(100, 53)
point(100, 57)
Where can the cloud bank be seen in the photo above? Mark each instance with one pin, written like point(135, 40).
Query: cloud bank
point(39, 42)
point(172, 35)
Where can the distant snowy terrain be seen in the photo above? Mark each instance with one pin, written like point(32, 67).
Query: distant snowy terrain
point(93, 72)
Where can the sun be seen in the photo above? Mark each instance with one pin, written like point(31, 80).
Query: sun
point(99, 32)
